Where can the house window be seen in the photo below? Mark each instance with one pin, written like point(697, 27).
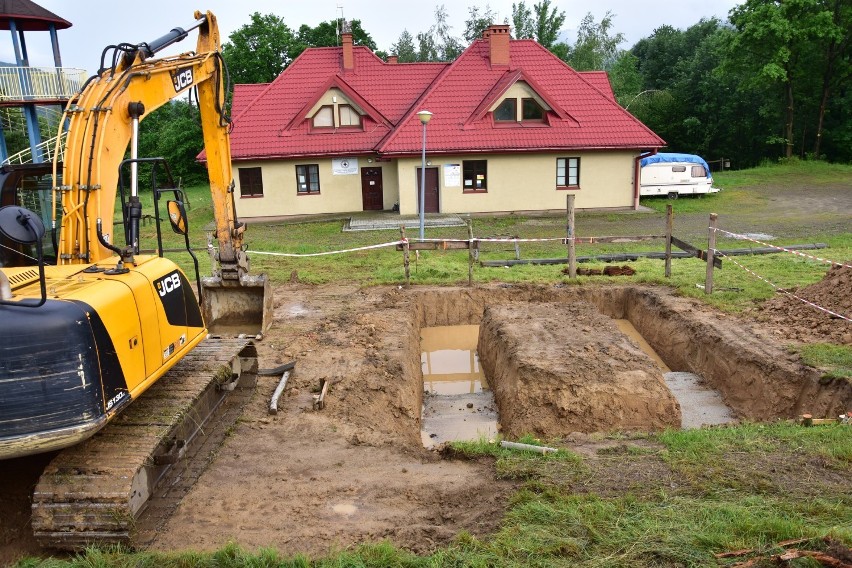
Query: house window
point(251, 182)
point(324, 118)
point(348, 116)
point(507, 111)
point(474, 175)
point(307, 179)
point(567, 172)
point(699, 172)
point(531, 110)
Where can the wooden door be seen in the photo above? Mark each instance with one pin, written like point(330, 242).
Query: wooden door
point(431, 196)
point(372, 195)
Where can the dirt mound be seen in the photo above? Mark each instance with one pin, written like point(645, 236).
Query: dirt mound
point(558, 368)
point(801, 322)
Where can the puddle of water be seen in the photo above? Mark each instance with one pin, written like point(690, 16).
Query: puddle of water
point(449, 360)
point(297, 310)
point(347, 509)
point(457, 404)
point(627, 329)
point(699, 404)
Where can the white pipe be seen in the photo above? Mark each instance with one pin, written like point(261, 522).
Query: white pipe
point(528, 447)
point(282, 384)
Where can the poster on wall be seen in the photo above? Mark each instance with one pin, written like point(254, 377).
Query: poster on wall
point(344, 166)
point(452, 175)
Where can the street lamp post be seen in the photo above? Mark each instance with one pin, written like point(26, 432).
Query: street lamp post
point(424, 116)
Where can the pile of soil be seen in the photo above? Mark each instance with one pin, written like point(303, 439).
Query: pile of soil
point(800, 322)
point(557, 368)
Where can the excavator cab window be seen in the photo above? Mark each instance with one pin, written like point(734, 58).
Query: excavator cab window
point(29, 186)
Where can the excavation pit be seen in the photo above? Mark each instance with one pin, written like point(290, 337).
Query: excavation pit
point(559, 361)
point(457, 403)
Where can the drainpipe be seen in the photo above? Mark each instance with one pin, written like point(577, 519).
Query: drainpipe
point(636, 169)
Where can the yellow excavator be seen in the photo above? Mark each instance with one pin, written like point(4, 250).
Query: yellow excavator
point(87, 322)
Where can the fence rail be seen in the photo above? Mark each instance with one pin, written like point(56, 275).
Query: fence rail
point(40, 83)
point(48, 148)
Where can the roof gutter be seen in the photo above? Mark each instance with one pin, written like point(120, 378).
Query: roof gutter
point(636, 174)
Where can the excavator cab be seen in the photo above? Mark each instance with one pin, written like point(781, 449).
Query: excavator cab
point(29, 186)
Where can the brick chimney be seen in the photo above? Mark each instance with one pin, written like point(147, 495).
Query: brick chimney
point(393, 59)
point(498, 44)
point(348, 55)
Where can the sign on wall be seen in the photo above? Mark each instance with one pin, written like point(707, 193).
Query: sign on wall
point(452, 175)
point(344, 166)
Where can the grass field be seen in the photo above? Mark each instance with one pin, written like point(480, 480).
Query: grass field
point(669, 499)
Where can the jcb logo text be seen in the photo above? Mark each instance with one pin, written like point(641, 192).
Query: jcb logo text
point(182, 79)
point(168, 284)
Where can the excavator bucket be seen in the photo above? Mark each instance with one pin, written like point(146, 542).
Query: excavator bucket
point(234, 308)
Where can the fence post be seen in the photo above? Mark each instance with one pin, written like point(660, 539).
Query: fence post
point(711, 248)
point(470, 246)
point(405, 255)
point(669, 228)
point(569, 229)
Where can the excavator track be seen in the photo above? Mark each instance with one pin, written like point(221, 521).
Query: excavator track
point(95, 492)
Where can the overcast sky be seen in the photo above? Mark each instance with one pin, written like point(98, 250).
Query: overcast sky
point(98, 23)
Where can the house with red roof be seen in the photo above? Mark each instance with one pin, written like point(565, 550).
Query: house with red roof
point(513, 128)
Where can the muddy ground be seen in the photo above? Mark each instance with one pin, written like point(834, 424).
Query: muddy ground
point(306, 481)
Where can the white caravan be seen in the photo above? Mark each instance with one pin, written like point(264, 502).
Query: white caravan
point(673, 175)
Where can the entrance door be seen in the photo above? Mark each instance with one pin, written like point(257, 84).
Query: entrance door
point(372, 195)
point(431, 196)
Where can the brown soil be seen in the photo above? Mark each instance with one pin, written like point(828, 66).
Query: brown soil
point(834, 292)
point(561, 368)
point(305, 481)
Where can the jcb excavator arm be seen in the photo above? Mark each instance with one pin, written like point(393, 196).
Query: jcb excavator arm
point(102, 121)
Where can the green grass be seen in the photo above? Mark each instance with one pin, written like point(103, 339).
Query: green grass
point(794, 172)
point(835, 359)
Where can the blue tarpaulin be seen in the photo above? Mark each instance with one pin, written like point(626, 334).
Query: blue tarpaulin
point(666, 157)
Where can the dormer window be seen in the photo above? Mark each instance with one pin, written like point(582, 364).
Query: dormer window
point(324, 118)
point(335, 111)
point(348, 116)
point(519, 104)
point(531, 110)
point(507, 111)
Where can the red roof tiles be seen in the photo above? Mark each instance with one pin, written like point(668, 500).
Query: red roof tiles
point(269, 120)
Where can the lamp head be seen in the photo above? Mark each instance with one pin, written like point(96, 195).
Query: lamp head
point(424, 116)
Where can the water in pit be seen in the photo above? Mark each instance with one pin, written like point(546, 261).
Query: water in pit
point(699, 404)
point(457, 404)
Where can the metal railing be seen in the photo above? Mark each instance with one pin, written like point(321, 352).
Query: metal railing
point(40, 83)
point(48, 149)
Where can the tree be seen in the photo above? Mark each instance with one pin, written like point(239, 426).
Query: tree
point(435, 44)
point(259, 51)
point(173, 132)
point(595, 47)
point(771, 40)
point(836, 59)
point(327, 34)
point(542, 23)
point(404, 48)
point(477, 23)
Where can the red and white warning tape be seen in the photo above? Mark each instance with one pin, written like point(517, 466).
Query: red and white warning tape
point(292, 254)
point(796, 252)
point(781, 290)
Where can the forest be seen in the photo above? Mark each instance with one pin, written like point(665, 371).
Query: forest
point(770, 83)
